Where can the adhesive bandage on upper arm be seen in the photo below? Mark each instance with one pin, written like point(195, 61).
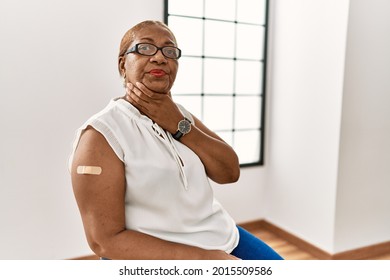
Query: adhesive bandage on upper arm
point(89, 170)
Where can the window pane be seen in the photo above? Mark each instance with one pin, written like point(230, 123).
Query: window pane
point(250, 41)
point(251, 11)
point(218, 76)
point(246, 145)
point(191, 103)
point(215, 31)
point(249, 77)
point(247, 112)
point(218, 112)
point(189, 76)
point(189, 42)
point(220, 9)
point(189, 8)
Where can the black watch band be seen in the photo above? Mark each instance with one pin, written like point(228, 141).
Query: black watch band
point(177, 135)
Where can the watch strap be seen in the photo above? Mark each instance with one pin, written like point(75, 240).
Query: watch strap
point(177, 135)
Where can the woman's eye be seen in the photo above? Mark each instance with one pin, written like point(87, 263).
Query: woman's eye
point(144, 48)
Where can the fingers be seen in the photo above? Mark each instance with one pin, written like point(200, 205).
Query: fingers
point(157, 106)
point(137, 98)
point(136, 94)
point(143, 89)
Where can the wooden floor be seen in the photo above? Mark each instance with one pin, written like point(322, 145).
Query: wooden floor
point(287, 250)
point(291, 252)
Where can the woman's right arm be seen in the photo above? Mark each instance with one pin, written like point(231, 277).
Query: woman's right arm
point(100, 199)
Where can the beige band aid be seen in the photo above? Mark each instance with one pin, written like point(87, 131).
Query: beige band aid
point(90, 170)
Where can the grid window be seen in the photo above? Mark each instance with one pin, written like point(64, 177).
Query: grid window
point(222, 68)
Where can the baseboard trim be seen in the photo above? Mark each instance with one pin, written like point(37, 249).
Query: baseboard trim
point(366, 252)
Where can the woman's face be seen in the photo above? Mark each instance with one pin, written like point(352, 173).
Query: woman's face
point(156, 72)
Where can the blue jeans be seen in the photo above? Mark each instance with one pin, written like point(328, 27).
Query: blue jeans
point(252, 248)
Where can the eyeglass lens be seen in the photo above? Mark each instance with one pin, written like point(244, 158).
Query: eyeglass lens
point(149, 49)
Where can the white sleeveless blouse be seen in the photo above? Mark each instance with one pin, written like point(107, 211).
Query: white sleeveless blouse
point(168, 194)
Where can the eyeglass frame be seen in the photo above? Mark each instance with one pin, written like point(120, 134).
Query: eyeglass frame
point(134, 49)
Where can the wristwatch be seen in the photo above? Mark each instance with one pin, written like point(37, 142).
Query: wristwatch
point(183, 127)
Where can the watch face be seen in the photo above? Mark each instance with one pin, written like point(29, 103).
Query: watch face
point(184, 126)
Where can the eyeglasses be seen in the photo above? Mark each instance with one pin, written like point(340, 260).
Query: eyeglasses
point(150, 50)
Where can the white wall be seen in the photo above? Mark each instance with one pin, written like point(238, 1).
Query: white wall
point(307, 54)
point(363, 193)
point(57, 67)
point(328, 173)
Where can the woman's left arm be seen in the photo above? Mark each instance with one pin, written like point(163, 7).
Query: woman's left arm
point(219, 159)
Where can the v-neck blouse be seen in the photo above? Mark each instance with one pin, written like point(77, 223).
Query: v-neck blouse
point(168, 194)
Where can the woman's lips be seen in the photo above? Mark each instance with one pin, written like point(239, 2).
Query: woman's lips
point(157, 73)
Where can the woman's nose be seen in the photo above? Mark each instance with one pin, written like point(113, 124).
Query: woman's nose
point(159, 57)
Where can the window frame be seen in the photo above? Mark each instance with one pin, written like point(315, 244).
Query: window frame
point(263, 93)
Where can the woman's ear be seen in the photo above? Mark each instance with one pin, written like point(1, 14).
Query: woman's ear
point(121, 66)
point(122, 70)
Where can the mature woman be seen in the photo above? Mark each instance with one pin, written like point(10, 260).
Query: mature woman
point(140, 168)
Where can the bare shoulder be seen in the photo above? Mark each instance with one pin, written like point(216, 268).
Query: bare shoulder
point(94, 150)
point(92, 144)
